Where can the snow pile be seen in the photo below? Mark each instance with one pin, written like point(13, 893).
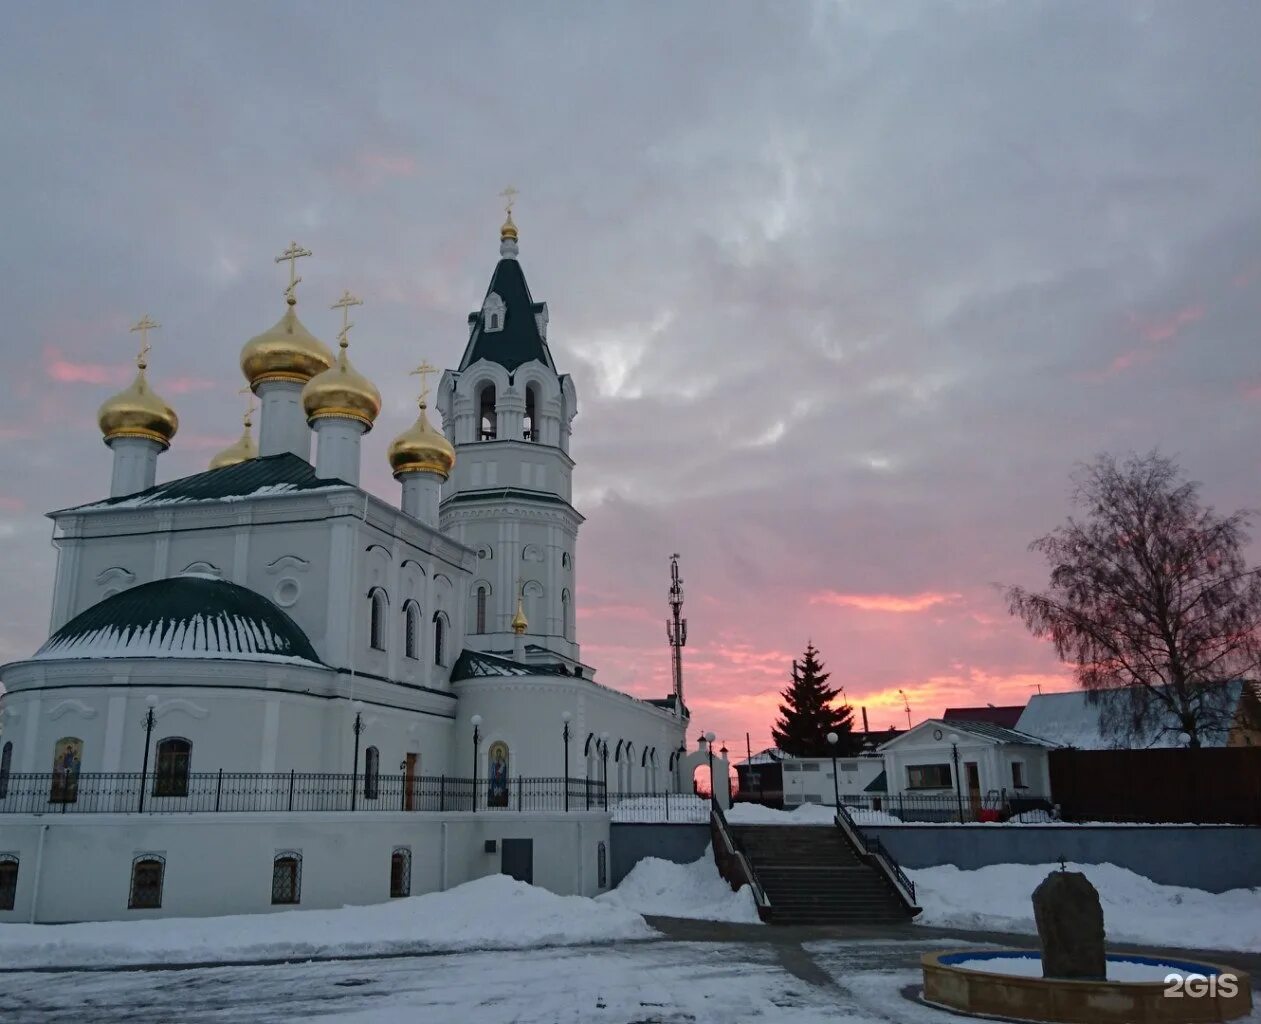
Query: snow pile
point(676, 807)
point(1135, 909)
point(696, 890)
point(495, 912)
point(760, 814)
point(1116, 968)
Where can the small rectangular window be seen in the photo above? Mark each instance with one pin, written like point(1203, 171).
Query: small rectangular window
point(8, 880)
point(286, 878)
point(1018, 774)
point(146, 883)
point(928, 776)
point(401, 871)
point(809, 767)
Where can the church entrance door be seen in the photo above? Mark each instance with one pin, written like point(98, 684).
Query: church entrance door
point(518, 859)
point(409, 781)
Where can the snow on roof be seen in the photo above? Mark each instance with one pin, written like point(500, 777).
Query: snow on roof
point(1070, 719)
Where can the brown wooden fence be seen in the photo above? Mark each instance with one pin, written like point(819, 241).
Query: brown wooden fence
point(1204, 786)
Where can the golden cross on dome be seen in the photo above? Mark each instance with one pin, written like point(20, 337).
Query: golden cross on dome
point(423, 371)
point(509, 196)
point(144, 325)
point(344, 303)
point(294, 253)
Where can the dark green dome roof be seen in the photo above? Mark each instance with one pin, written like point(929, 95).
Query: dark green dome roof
point(187, 616)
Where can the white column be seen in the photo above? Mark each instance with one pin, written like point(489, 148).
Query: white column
point(337, 448)
point(421, 493)
point(135, 465)
point(283, 427)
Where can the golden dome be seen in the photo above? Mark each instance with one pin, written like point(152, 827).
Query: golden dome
point(342, 391)
point(519, 625)
point(509, 230)
point(288, 351)
point(421, 449)
point(239, 451)
point(137, 411)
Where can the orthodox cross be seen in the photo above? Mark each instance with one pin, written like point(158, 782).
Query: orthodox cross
point(144, 325)
point(344, 303)
point(509, 196)
point(423, 371)
point(249, 409)
point(1063, 866)
point(292, 254)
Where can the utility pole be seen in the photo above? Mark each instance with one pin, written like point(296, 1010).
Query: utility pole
point(676, 632)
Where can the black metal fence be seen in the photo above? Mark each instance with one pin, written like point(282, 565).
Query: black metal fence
point(209, 792)
point(997, 805)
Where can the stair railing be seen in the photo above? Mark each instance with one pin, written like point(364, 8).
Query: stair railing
point(728, 852)
point(876, 852)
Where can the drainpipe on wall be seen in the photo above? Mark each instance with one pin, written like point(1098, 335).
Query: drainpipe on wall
point(442, 887)
point(39, 863)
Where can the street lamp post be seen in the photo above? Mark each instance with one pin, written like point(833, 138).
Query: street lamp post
point(564, 717)
point(477, 738)
point(149, 719)
point(954, 756)
point(604, 770)
point(709, 749)
point(833, 739)
point(726, 771)
point(357, 728)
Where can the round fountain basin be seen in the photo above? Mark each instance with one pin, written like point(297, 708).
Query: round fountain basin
point(1139, 989)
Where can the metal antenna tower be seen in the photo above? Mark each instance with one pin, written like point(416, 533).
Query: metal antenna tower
point(676, 632)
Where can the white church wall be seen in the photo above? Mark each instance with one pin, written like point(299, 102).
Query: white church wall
point(222, 863)
point(526, 714)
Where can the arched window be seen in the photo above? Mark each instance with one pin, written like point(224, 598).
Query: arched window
point(376, 623)
point(566, 609)
point(481, 610)
point(486, 413)
point(6, 765)
point(411, 630)
point(286, 877)
point(146, 882)
point(67, 756)
point(8, 880)
point(371, 773)
point(439, 639)
point(529, 431)
point(170, 776)
point(401, 871)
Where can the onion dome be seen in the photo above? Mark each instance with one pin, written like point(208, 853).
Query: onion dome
point(137, 411)
point(421, 449)
point(287, 351)
point(342, 390)
point(239, 451)
point(509, 230)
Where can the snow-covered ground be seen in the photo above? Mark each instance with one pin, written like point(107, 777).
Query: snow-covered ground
point(1135, 909)
point(759, 814)
point(491, 912)
point(695, 890)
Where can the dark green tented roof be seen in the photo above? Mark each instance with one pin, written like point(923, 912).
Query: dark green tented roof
point(506, 493)
point(187, 616)
point(519, 340)
point(275, 474)
point(879, 784)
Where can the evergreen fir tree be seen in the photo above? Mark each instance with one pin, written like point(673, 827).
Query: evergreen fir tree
point(808, 715)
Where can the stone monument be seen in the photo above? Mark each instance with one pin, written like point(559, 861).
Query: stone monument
point(1070, 926)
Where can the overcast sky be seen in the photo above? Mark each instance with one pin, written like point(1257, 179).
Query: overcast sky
point(846, 289)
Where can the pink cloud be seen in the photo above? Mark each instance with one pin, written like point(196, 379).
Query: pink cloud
point(369, 168)
point(897, 604)
point(67, 371)
point(183, 385)
point(1168, 327)
point(12, 504)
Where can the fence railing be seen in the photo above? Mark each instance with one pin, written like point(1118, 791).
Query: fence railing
point(879, 854)
point(997, 805)
point(210, 792)
point(680, 808)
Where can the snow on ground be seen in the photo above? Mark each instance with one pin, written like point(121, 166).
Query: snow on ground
point(759, 814)
point(695, 890)
point(491, 912)
point(1135, 909)
point(1116, 968)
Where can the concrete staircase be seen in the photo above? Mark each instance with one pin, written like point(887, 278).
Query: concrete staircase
point(812, 875)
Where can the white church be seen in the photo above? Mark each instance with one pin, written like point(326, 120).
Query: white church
point(265, 687)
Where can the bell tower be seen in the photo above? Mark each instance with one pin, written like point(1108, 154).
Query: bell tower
point(508, 412)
